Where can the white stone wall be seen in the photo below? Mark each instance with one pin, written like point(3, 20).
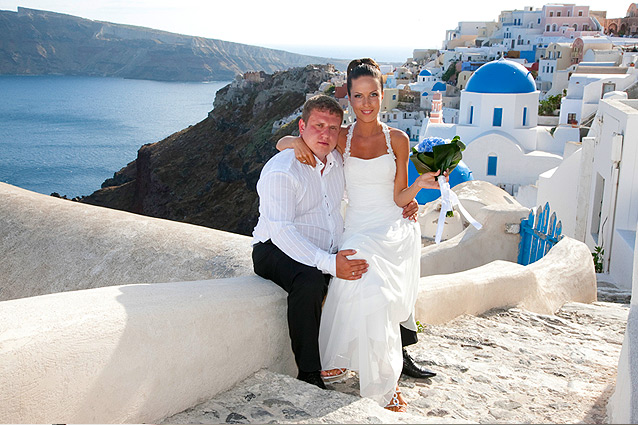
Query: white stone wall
point(555, 143)
point(514, 166)
point(601, 55)
point(565, 273)
point(560, 82)
point(567, 188)
point(585, 91)
point(473, 195)
point(138, 353)
point(467, 250)
point(51, 245)
point(601, 180)
point(526, 196)
point(617, 183)
point(548, 121)
point(559, 188)
point(623, 404)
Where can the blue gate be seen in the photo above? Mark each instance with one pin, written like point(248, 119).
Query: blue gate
point(538, 235)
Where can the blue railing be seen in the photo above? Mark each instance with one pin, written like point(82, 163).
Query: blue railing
point(538, 235)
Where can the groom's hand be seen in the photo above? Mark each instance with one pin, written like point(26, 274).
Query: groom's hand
point(350, 269)
point(410, 211)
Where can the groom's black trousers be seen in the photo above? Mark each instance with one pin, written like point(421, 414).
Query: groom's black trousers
point(306, 287)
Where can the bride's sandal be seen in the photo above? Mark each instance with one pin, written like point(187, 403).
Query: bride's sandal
point(402, 402)
point(333, 375)
point(397, 405)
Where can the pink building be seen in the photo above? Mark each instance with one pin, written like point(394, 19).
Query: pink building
point(568, 20)
point(627, 25)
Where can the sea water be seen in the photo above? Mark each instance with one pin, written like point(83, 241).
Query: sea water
point(69, 134)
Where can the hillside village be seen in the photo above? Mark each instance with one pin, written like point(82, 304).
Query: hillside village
point(546, 101)
point(529, 94)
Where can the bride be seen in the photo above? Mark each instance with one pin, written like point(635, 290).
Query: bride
point(360, 319)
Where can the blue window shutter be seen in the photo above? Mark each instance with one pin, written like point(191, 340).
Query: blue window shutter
point(491, 165)
point(498, 117)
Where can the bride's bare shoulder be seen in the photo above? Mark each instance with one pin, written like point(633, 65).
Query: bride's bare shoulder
point(398, 136)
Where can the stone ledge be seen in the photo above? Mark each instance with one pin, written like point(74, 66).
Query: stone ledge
point(52, 245)
point(141, 352)
point(565, 274)
point(136, 353)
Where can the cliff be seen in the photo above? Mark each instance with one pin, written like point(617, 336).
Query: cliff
point(207, 174)
point(35, 42)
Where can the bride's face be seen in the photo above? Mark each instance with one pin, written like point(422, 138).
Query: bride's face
point(365, 98)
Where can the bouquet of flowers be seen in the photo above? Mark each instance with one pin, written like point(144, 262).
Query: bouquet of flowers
point(434, 154)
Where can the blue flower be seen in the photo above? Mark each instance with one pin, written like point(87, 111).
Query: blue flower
point(428, 143)
point(435, 153)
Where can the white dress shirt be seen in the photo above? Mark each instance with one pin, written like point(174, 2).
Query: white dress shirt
point(299, 208)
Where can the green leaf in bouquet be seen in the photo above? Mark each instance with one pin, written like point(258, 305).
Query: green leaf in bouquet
point(427, 159)
point(457, 140)
point(443, 155)
point(422, 162)
point(447, 156)
point(450, 162)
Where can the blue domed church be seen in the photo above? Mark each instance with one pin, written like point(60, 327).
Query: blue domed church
point(498, 122)
point(427, 84)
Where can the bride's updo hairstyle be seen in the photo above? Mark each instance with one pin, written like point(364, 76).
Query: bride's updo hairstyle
point(365, 67)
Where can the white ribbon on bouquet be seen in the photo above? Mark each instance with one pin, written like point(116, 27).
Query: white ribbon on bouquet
point(448, 201)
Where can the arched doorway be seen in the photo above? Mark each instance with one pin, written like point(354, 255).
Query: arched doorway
point(612, 29)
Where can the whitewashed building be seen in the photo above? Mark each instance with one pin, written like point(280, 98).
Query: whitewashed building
point(587, 85)
point(498, 121)
point(603, 55)
point(557, 57)
point(595, 190)
point(408, 121)
point(464, 34)
point(521, 30)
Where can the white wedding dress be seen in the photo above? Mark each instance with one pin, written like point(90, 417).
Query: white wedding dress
point(360, 319)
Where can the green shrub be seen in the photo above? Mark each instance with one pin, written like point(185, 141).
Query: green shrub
point(549, 105)
point(597, 255)
point(449, 72)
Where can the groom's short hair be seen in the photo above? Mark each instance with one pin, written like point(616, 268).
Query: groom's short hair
point(321, 102)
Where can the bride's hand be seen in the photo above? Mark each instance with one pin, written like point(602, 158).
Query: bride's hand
point(428, 180)
point(303, 152)
point(411, 210)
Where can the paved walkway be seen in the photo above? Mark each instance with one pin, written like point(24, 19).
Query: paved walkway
point(507, 366)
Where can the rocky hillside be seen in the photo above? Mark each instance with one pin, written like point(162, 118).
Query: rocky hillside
point(35, 42)
point(206, 174)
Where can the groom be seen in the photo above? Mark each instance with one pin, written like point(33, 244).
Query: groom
point(299, 229)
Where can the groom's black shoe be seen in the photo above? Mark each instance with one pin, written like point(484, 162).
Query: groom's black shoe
point(313, 378)
point(413, 370)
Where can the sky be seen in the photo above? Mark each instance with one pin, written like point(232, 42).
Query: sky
point(385, 30)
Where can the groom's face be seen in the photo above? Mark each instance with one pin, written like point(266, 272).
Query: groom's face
point(321, 132)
